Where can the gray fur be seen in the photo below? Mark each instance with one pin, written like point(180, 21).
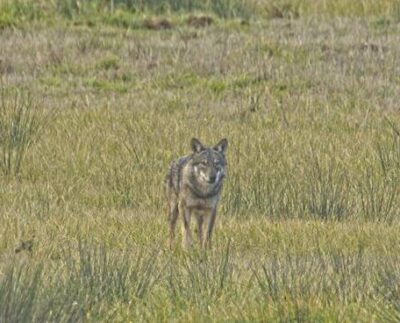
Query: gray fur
point(194, 184)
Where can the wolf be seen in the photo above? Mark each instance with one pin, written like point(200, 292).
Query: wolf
point(193, 186)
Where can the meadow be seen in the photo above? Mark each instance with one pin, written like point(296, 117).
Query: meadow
point(98, 97)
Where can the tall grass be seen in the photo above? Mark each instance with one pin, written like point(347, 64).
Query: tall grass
point(20, 124)
point(200, 280)
point(295, 285)
point(388, 309)
point(379, 187)
point(81, 289)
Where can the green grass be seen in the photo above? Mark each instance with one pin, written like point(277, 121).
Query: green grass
point(128, 13)
point(94, 106)
point(20, 124)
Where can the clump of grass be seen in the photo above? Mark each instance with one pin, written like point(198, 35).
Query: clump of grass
point(14, 13)
point(157, 24)
point(80, 289)
point(110, 62)
point(200, 279)
point(25, 296)
point(20, 125)
point(17, 294)
point(283, 9)
point(198, 22)
point(294, 284)
point(109, 277)
point(378, 188)
point(328, 190)
point(378, 196)
point(388, 309)
point(389, 152)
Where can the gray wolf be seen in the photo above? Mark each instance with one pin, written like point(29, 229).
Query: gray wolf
point(193, 185)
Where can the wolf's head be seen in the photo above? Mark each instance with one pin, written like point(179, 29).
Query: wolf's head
point(209, 163)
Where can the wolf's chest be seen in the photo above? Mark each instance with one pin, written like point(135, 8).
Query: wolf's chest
point(201, 203)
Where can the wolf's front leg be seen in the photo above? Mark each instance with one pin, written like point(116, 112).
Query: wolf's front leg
point(200, 221)
point(187, 235)
point(210, 227)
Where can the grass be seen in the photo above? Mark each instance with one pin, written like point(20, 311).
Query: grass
point(20, 124)
point(129, 13)
point(94, 107)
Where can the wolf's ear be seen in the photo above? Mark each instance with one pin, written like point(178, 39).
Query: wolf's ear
point(221, 146)
point(196, 145)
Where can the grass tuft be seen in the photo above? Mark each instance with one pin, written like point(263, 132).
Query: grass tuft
point(20, 125)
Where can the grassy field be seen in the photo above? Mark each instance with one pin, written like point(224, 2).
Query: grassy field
point(97, 97)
